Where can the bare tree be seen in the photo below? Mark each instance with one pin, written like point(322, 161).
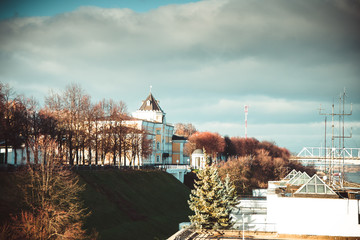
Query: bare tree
point(51, 196)
point(185, 129)
point(6, 95)
point(98, 116)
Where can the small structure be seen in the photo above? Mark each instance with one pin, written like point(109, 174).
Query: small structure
point(297, 208)
point(197, 159)
point(315, 187)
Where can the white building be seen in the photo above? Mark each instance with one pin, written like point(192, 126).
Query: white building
point(167, 147)
point(197, 159)
point(296, 206)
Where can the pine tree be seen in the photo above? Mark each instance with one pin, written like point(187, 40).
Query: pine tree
point(212, 200)
point(228, 202)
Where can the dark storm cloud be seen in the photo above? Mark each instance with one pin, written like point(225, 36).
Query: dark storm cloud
point(205, 60)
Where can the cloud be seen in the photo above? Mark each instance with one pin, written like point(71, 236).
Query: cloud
point(205, 60)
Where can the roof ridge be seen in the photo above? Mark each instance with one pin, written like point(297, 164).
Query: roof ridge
point(151, 104)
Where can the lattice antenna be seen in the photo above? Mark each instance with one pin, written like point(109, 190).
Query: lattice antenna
point(341, 114)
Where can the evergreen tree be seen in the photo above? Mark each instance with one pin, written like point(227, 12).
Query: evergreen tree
point(212, 200)
point(228, 202)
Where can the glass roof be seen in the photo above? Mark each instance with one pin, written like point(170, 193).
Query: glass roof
point(290, 175)
point(298, 174)
point(315, 186)
point(300, 180)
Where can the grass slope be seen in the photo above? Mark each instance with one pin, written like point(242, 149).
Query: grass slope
point(123, 204)
point(134, 204)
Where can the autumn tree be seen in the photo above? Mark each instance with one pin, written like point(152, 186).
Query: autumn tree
point(2, 117)
point(212, 142)
point(31, 128)
point(264, 163)
point(70, 109)
point(185, 129)
point(7, 118)
point(52, 207)
point(229, 149)
point(98, 115)
point(17, 123)
point(238, 170)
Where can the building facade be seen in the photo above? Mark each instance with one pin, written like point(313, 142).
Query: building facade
point(167, 147)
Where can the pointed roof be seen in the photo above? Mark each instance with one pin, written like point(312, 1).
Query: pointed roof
point(151, 104)
point(290, 175)
point(298, 174)
point(315, 186)
point(302, 179)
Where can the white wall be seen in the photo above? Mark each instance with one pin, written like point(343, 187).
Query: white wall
point(21, 156)
point(255, 217)
point(179, 173)
point(314, 216)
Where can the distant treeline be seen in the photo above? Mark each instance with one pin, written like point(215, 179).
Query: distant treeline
point(249, 162)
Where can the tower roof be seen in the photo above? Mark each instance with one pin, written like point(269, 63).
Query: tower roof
point(151, 104)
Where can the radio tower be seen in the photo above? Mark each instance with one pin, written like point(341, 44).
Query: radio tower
point(246, 113)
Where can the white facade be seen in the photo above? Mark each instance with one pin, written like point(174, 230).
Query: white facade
point(160, 135)
point(314, 216)
point(21, 156)
point(316, 212)
point(154, 116)
point(197, 159)
point(166, 148)
point(251, 215)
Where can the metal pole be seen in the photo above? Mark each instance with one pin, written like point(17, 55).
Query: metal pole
point(332, 146)
point(243, 220)
point(343, 142)
point(325, 144)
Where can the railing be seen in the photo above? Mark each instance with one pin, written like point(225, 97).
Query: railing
point(322, 152)
point(173, 166)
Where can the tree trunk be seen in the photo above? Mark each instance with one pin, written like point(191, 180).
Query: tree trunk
point(114, 151)
point(15, 156)
point(6, 152)
point(71, 160)
point(27, 152)
point(119, 150)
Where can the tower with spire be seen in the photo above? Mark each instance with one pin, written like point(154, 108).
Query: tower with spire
point(150, 110)
point(167, 147)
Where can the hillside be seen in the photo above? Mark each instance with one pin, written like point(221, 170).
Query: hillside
point(123, 204)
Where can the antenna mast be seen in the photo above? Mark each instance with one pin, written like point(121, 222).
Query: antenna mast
point(341, 115)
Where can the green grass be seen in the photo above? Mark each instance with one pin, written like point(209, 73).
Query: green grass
point(123, 204)
point(134, 204)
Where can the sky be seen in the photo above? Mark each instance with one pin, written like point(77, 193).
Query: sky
point(205, 60)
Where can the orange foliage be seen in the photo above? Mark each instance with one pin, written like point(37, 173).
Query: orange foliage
point(212, 142)
point(255, 163)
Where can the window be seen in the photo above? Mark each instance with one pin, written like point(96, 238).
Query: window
point(148, 102)
point(158, 132)
point(158, 145)
point(157, 158)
